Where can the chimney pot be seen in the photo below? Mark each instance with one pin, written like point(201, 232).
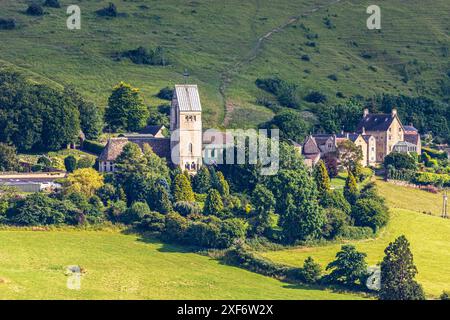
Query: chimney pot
point(366, 112)
point(394, 112)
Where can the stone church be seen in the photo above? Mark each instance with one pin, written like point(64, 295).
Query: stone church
point(184, 148)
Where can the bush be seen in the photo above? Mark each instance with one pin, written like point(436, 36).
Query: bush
point(333, 77)
point(165, 93)
point(109, 11)
point(136, 212)
point(141, 55)
point(310, 272)
point(7, 24)
point(400, 161)
point(337, 220)
point(36, 209)
point(93, 147)
point(35, 9)
point(370, 213)
point(336, 199)
point(356, 233)
point(70, 162)
point(153, 221)
point(52, 4)
point(116, 210)
point(85, 162)
point(238, 256)
point(186, 208)
point(316, 97)
point(175, 227)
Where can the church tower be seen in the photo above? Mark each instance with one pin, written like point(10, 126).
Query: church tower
point(186, 128)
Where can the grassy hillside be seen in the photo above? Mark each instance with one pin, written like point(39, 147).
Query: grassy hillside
point(118, 266)
point(227, 45)
point(429, 237)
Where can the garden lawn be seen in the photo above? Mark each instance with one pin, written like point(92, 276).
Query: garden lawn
point(119, 266)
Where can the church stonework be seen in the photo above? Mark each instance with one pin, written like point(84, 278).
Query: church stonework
point(186, 128)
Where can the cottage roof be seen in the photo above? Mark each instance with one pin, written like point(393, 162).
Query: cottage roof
point(114, 147)
point(376, 122)
point(410, 129)
point(153, 130)
point(187, 97)
point(310, 146)
point(321, 139)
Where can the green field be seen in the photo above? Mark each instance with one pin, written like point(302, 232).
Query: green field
point(429, 237)
point(227, 45)
point(119, 266)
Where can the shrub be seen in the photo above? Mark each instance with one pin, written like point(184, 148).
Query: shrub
point(165, 93)
point(238, 256)
point(153, 221)
point(305, 57)
point(141, 55)
point(175, 227)
point(116, 210)
point(355, 233)
point(7, 24)
point(52, 4)
point(400, 161)
point(311, 271)
point(337, 220)
point(93, 147)
point(333, 77)
point(370, 213)
point(232, 230)
point(316, 97)
point(35, 209)
point(336, 199)
point(186, 208)
point(70, 162)
point(34, 9)
point(85, 162)
point(109, 11)
point(136, 212)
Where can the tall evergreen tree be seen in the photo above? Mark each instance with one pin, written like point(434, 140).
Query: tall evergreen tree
point(351, 189)
point(202, 180)
point(182, 190)
point(222, 185)
point(322, 179)
point(162, 202)
point(398, 272)
point(126, 110)
point(213, 203)
point(263, 203)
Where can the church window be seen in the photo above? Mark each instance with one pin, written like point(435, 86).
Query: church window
point(190, 147)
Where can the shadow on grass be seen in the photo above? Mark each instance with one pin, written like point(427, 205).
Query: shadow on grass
point(154, 239)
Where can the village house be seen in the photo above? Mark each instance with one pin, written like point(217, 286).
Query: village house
point(377, 135)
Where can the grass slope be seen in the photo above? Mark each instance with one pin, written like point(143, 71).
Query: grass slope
point(429, 237)
point(119, 266)
point(227, 45)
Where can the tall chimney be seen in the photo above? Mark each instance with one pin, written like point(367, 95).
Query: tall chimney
point(394, 112)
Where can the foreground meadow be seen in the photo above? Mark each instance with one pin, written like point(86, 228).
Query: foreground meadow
point(429, 236)
point(120, 266)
